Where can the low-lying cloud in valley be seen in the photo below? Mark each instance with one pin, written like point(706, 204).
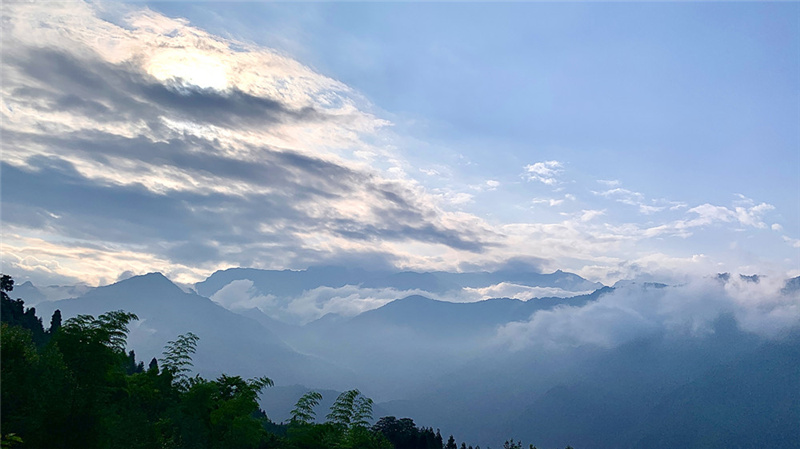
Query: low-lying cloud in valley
point(764, 307)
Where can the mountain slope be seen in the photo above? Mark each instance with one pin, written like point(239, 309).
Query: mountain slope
point(228, 341)
point(753, 402)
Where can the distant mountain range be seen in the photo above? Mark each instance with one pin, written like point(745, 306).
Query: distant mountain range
point(439, 362)
point(293, 283)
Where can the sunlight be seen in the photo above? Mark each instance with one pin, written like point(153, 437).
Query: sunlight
point(203, 71)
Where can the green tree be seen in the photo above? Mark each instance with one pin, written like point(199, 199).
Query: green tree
point(303, 411)
point(177, 358)
point(351, 409)
point(55, 322)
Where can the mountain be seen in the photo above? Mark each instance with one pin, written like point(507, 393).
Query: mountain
point(34, 295)
point(279, 289)
point(292, 283)
point(662, 384)
point(447, 320)
point(791, 286)
point(408, 342)
point(661, 391)
point(752, 402)
point(228, 341)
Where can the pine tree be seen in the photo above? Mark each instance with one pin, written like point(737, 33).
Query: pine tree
point(55, 322)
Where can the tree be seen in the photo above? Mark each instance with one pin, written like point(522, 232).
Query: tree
point(451, 443)
point(177, 358)
point(55, 322)
point(303, 411)
point(13, 312)
point(351, 409)
point(6, 285)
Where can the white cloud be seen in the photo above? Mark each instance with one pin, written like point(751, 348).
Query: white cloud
point(545, 172)
point(588, 215)
point(638, 310)
point(548, 201)
point(795, 243)
point(609, 182)
point(429, 172)
point(647, 210)
point(621, 195)
point(510, 290)
point(241, 295)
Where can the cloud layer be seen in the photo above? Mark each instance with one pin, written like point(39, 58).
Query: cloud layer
point(760, 305)
point(159, 138)
point(134, 142)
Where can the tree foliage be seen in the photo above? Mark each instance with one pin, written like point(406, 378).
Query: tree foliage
point(351, 409)
point(303, 411)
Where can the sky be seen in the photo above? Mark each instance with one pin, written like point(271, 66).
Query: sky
point(613, 140)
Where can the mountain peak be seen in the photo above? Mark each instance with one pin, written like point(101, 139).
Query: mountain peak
point(150, 283)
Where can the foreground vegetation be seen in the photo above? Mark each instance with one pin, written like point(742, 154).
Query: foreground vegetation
point(74, 386)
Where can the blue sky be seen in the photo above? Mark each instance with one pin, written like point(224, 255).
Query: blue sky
point(615, 140)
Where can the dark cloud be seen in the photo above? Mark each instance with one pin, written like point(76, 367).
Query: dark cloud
point(189, 252)
point(117, 92)
point(309, 176)
point(52, 194)
point(423, 232)
point(275, 195)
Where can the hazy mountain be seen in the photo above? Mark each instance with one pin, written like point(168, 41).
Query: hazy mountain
point(752, 402)
point(600, 370)
point(411, 341)
point(228, 341)
point(33, 294)
point(621, 397)
point(792, 286)
point(301, 296)
point(290, 282)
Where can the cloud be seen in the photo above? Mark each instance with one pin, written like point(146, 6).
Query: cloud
point(158, 139)
point(609, 182)
point(639, 310)
point(623, 196)
point(136, 142)
point(545, 172)
point(511, 290)
point(349, 300)
point(795, 243)
point(548, 201)
point(588, 215)
point(552, 202)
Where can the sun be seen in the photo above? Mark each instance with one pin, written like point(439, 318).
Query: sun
point(193, 68)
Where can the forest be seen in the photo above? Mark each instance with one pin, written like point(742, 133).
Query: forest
point(74, 385)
